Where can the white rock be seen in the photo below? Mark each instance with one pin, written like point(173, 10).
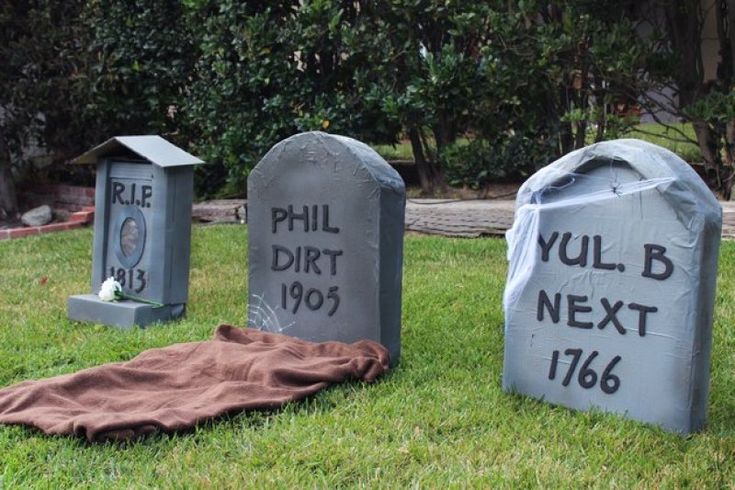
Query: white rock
point(37, 216)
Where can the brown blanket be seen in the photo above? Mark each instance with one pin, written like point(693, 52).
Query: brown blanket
point(176, 387)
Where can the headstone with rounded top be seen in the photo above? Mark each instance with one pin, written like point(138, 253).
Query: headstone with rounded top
point(325, 226)
point(611, 285)
point(142, 230)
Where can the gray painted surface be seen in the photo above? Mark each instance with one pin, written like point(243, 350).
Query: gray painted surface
point(121, 314)
point(150, 148)
point(618, 197)
point(355, 203)
point(142, 229)
point(161, 273)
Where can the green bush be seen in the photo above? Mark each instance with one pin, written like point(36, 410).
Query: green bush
point(269, 70)
point(76, 72)
point(138, 58)
point(39, 106)
point(526, 81)
point(482, 162)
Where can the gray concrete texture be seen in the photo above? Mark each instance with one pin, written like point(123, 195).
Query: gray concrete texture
point(143, 202)
point(325, 231)
point(611, 283)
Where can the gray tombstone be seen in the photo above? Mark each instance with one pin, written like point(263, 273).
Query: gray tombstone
point(142, 230)
point(325, 225)
point(611, 284)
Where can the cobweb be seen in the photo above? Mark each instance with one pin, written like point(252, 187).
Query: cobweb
point(262, 316)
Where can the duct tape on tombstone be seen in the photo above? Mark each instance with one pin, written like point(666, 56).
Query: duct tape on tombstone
point(611, 283)
point(325, 231)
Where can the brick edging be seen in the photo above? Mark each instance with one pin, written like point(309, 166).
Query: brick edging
point(76, 220)
point(63, 196)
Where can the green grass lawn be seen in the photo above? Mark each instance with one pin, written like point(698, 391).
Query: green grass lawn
point(667, 137)
point(400, 151)
point(440, 419)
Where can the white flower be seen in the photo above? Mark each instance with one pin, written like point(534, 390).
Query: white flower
point(110, 289)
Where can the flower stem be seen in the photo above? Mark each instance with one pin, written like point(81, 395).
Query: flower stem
point(121, 295)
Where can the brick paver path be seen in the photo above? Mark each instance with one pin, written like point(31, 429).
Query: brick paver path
point(491, 217)
point(447, 217)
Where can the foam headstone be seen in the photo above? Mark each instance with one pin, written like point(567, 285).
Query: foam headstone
point(610, 292)
point(142, 230)
point(325, 226)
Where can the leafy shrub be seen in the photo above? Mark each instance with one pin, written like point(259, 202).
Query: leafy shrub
point(138, 59)
point(268, 70)
point(528, 81)
point(481, 162)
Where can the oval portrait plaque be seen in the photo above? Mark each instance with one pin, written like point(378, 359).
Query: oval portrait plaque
point(129, 236)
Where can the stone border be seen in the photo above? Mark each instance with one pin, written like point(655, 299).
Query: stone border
point(76, 220)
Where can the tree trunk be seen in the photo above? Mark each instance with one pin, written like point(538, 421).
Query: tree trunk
point(726, 176)
point(580, 138)
point(719, 174)
point(442, 140)
point(683, 22)
point(565, 138)
point(707, 145)
point(566, 134)
point(723, 19)
point(419, 159)
point(730, 142)
point(731, 32)
point(8, 197)
point(601, 118)
point(684, 32)
point(443, 132)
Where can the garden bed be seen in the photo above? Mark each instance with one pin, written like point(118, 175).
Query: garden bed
point(72, 207)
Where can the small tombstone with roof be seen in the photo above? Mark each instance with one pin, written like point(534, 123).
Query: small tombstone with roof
point(325, 227)
point(611, 285)
point(142, 231)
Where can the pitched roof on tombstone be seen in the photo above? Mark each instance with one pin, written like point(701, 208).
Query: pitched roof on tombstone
point(152, 148)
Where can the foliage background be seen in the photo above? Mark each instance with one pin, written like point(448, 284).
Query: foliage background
point(482, 91)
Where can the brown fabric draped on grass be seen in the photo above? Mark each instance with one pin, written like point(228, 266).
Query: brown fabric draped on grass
point(173, 388)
